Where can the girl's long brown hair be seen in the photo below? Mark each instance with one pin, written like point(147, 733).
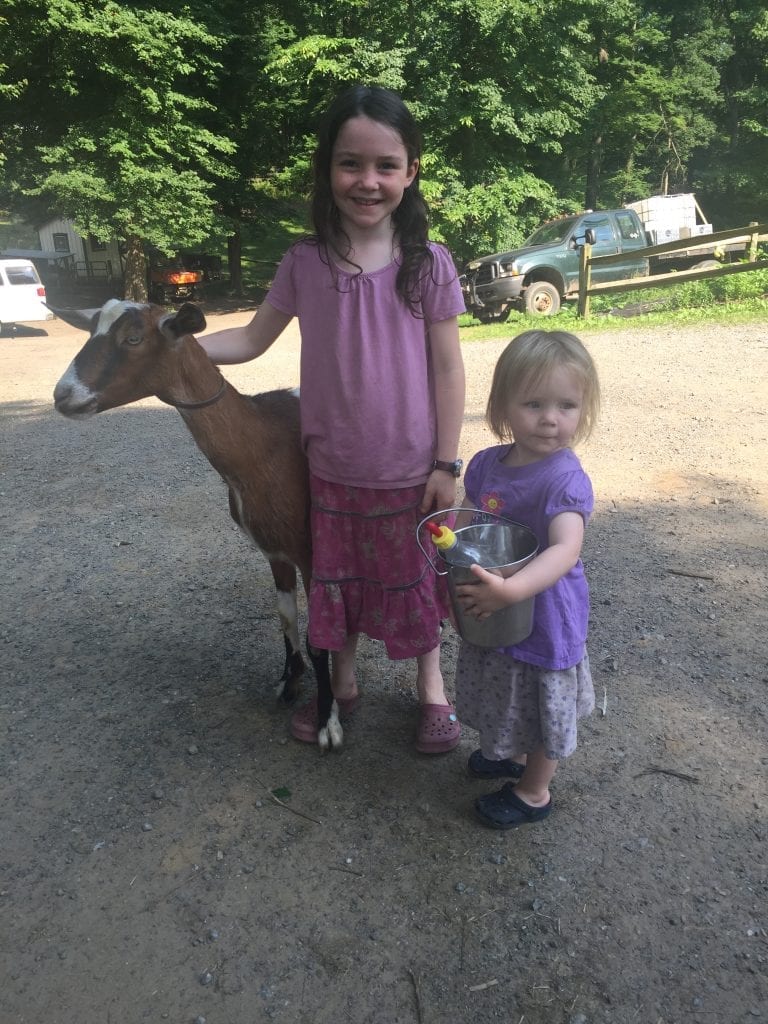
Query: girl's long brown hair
point(410, 219)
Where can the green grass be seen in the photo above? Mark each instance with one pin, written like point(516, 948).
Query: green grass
point(741, 298)
point(265, 242)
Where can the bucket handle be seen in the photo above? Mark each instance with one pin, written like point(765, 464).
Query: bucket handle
point(442, 513)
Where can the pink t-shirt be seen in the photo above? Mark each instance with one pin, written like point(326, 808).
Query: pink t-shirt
point(367, 402)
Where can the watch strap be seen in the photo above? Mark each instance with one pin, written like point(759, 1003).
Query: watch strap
point(454, 468)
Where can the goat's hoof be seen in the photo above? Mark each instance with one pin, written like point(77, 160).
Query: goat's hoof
point(331, 737)
point(286, 692)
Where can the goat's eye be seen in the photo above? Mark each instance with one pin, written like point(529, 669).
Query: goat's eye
point(132, 339)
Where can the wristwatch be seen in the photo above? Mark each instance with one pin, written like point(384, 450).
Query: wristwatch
point(454, 468)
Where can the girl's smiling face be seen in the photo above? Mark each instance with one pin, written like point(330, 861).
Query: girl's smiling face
point(545, 417)
point(370, 171)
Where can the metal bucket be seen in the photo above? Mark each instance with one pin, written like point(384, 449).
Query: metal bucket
point(505, 547)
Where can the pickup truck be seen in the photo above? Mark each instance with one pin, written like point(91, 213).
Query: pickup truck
point(544, 272)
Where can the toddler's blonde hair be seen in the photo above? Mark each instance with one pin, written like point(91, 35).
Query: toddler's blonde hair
point(526, 361)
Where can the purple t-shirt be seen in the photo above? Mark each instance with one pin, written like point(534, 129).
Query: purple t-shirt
point(367, 398)
point(533, 495)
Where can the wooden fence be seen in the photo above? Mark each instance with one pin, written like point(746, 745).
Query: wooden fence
point(741, 239)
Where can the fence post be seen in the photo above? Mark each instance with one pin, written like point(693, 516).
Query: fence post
point(585, 278)
point(752, 253)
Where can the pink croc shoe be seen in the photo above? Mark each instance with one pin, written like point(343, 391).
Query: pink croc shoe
point(439, 729)
point(304, 719)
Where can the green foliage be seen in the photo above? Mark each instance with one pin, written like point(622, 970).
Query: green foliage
point(171, 122)
point(266, 237)
point(123, 152)
point(707, 295)
point(753, 284)
point(485, 217)
point(15, 234)
point(660, 68)
point(498, 87)
point(732, 170)
point(692, 295)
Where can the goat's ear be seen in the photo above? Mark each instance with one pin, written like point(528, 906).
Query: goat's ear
point(188, 320)
point(83, 319)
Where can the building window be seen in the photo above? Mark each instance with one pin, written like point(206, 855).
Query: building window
point(60, 241)
point(95, 245)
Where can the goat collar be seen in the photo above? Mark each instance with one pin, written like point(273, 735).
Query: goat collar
point(197, 405)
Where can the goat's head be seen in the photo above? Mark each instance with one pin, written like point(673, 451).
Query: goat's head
point(130, 354)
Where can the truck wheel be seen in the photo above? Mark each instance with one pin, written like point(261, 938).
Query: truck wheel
point(542, 299)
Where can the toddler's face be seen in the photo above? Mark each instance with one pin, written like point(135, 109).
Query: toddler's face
point(545, 418)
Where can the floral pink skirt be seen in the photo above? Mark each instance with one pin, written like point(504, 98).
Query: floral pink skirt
point(368, 573)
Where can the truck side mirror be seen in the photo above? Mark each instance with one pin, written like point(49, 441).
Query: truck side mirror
point(588, 238)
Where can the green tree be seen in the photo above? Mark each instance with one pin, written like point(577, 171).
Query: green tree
point(529, 108)
point(108, 129)
point(279, 71)
point(733, 168)
point(659, 67)
point(277, 75)
point(496, 87)
point(502, 86)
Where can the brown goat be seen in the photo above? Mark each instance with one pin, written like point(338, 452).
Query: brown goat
point(134, 351)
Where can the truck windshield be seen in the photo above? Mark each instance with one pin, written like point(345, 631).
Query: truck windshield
point(549, 233)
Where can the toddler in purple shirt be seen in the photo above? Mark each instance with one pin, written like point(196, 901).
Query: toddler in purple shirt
point(526, 699)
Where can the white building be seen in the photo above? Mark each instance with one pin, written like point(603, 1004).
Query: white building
point(92, 259)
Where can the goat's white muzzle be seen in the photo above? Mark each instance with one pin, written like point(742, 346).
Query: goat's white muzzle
point(72, 398)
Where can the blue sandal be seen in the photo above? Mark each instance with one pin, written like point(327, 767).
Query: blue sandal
point(484, 768)
point(504, 809)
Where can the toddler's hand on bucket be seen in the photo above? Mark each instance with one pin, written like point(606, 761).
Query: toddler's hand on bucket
point(485, 596)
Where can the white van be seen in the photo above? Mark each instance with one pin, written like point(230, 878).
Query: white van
point(22, 293)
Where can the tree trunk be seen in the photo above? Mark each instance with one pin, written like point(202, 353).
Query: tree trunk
point(594, 161)
point(135, 269)
point(234, 254)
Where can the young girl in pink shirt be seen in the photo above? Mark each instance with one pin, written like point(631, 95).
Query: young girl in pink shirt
point(382, 398)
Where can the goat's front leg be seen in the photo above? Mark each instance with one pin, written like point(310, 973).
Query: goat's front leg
point(284, 575)
point(330, 734)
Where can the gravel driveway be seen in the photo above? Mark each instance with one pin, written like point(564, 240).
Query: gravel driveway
point(170, 854)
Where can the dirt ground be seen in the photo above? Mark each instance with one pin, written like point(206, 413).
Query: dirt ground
point(170, 854)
